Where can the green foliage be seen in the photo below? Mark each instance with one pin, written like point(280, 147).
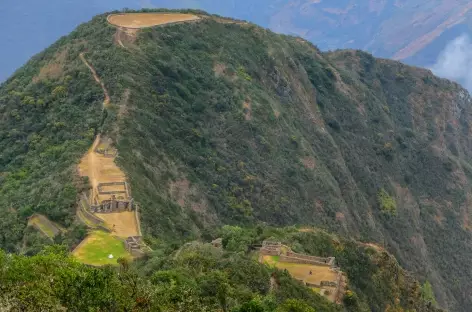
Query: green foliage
point(294, 305)
point(427, 293)
point(386, 203)
point(235, 238)
point(350, 299)
point(177, 97)
point(242, 73)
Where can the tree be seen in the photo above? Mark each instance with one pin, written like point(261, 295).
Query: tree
point(427, 293)
point(294, 305)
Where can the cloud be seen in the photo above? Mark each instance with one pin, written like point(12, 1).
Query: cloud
point(455, 61)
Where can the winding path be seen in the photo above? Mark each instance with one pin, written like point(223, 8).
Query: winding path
point(106, 102)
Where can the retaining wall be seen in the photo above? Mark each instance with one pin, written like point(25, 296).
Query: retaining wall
point(329, 284)
point(302, 261)
point(269, 252)
point(85, 210)
point(101, 192)
point(307, 257)
point(138, 222)
point(313, 285)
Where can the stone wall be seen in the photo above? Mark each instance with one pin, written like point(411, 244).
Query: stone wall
point(329, 261)
point(109, 206)
point(91, 218)
point(102, 192)
point(267, 243)
point(269, 252)
point(135, 246)
point(136, 216)
point(329, 284)
point(288, 259)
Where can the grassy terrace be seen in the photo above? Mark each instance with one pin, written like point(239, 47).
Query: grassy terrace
point(98, 246)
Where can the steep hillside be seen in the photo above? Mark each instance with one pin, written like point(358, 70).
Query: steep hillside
point(201, 277)
point(220, 122)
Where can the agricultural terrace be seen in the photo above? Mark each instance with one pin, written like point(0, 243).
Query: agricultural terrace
point(143, 20)
point(302, 271)
point(44, 225)
point(97, 247)
point(100, 169)
point(123, 224)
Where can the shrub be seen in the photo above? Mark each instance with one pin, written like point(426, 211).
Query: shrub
point(386, 202)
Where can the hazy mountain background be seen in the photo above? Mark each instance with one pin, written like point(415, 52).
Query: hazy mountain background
point(415, 31)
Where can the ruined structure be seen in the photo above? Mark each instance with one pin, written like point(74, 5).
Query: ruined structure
point(108, 205)
point(106, 149)
point(119, 198)
point(332, 289)
point(217, 243)
point(135, 246)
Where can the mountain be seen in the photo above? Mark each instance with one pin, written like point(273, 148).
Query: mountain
point(413, 31)
point(220, 122)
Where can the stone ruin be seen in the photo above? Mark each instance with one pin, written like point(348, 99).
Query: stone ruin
point(218, 243)
point(285, 254)
point(135, 246)
point(106, 149)
point(120, 200)
point(271, 248)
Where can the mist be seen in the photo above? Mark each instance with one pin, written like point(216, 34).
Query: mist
point(455, 62)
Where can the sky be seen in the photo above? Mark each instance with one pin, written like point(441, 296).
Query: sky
point(29, 26)
point(455, 61)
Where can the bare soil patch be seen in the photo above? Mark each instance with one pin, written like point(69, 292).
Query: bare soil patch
point(100, 169)
point(309, 162)
point(302, 271)
point(123, 224)
point(53, 69)
point(247, 108)
point(142, 20)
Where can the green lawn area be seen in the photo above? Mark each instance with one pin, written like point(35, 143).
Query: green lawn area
point(96, 248)
point(271, 260)
point(45, 225)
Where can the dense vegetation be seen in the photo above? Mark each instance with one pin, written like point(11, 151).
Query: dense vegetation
point(200, 277)
point(223, 123)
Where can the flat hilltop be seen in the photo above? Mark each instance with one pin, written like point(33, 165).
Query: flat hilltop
point(142, 20)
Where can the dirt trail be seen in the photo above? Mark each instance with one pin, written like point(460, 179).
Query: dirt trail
point(100, 169)
point(103, 169)
point(106, 102)
point(123, 223)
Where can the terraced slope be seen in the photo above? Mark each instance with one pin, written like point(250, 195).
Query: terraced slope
point(228, 123)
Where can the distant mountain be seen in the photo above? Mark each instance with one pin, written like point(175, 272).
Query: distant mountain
point(219, 122)
point(415, 31)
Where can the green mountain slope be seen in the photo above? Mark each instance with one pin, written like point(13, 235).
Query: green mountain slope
point(227, 123)
point(200, 277)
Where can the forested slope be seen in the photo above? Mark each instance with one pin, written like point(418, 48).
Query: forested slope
point(227, 123)
point(200, 277)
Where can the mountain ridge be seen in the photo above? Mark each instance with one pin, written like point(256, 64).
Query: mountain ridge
point(219, 123)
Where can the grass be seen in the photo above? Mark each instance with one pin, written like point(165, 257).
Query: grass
point(96, 248)
point(301, 271)
point(46, 226)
